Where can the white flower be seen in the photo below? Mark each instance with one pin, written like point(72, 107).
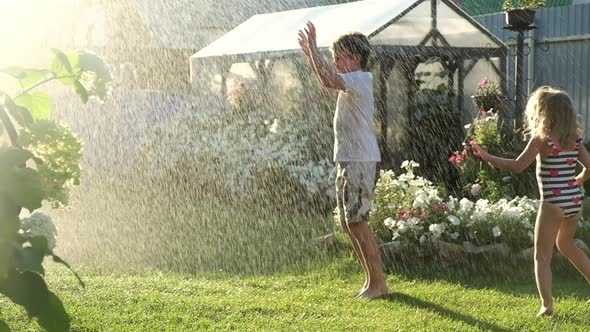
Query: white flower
point(467, 126)
point(389, 222)
point(409, 164)
point(391, 206)
point(274, 127)
point(452, 203)
point(465, 206)
point(455, 221)
point(437, 230)
point(455, 235)
point(402, 226)
point(40, 224)
point(476, 189)
point(496, 231)
point(421, 200)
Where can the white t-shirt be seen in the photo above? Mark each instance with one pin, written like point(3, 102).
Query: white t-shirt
point(354, 125)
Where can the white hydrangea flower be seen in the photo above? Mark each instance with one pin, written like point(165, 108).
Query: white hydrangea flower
point(40, 224)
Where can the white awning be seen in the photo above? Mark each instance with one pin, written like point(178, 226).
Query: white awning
point(386, 22)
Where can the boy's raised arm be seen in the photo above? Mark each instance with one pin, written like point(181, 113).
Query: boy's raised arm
point(325, 73)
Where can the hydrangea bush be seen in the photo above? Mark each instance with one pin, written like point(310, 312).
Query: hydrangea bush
point(38, 164)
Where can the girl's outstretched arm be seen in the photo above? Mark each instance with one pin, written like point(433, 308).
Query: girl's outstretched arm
point(584, 159)
point(527, 156)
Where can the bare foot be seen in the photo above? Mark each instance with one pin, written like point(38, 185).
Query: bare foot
point(373, 293)
point(545, 311)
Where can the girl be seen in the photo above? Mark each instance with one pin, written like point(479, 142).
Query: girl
point(556, 145)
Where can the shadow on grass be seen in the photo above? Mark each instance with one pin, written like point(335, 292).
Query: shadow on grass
point(421, 304)
point(509, 275)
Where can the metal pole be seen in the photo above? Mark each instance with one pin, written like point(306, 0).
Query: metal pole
point(433, 22)
point(460, 84)
point(518, 104)
point(531, 62)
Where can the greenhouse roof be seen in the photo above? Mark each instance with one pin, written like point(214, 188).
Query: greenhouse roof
point(400, 24)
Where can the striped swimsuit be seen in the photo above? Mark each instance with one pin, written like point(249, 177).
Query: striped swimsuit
point(558, 178)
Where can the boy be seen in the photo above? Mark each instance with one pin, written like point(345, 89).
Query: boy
point(356, 152)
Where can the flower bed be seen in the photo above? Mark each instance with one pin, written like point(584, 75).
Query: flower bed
point(413, 213)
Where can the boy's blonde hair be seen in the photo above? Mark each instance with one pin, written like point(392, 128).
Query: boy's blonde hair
point(354, 43)
point(550, 112)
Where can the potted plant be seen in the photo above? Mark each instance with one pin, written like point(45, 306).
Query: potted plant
point(520, 13)
point(488, 95)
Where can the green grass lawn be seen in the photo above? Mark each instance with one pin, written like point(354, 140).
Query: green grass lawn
point(271, 276)
point(500, 297)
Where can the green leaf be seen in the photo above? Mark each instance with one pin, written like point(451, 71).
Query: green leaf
point(20, 184)
point(27, 77)
point(9, 226)
point(38, 104)
point(40, 244)
point(6, 258)
point(31, 260)
point(20, 114)
point(9, 221)
point(61, 65)
point(11, 156)
point(53, 316)
point(27, 289)
point(4, 327)
point(57, 259)
point(81, 91)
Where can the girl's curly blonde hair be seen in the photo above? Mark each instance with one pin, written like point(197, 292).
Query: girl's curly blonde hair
point(550, 113)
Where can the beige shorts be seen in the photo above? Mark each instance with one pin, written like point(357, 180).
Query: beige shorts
point(355, 182)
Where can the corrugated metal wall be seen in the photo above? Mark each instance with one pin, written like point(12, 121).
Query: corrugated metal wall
point(561, 53)
point(481, 7)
